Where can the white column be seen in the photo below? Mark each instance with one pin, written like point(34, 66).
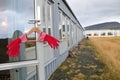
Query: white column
point(39, 46)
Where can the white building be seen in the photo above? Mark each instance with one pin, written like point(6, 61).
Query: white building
point(109, 29)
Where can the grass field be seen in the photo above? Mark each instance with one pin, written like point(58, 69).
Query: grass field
point(109, 54)
point(96, 59)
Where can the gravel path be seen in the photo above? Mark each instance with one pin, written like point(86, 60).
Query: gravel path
point(83, 66)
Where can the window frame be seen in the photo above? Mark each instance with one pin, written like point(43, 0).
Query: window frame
point(48, 23)
point(62, 25)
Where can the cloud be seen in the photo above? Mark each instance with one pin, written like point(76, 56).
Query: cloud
point(95, 11)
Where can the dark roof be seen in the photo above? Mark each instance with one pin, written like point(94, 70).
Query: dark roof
point(104, 26)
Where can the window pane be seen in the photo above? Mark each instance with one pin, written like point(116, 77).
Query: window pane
point(60, 25)
point(95, 34)
point(72, 32)
point(49, 17)
point(110, 33)
point(89, 35)
point(13, 23)
point(68, 31)
point(103, 34)
point(63, 26)
point(25, 73)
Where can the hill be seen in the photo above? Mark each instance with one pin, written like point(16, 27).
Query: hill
point(104, 26)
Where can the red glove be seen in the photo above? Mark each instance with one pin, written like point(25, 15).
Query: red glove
point(53, 42)
point(14, 46)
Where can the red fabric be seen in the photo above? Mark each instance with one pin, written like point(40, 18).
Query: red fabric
point(23, 38)
point(53, 42)
point(14, 48)
point(41, 36)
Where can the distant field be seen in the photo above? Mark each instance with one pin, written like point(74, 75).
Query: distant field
point(109, 54)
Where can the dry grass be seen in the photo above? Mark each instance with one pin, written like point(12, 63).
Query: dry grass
point(109, 53)
point(97, 59)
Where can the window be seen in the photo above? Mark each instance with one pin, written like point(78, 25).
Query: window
point(75, 33)
point(25, 73)
point(103, 34)
point(62, 32)
point(95, 34)
point(68, 31)
point(89, 34)
point(14, 18)
point(47, 18)
point(115, 33)
point(62, 26)
point(110, 33)
point(72, 31)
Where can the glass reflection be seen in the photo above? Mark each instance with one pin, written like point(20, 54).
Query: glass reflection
point(13, 23)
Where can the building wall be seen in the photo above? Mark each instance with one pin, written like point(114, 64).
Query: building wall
point(36, 60)
point(65, 28)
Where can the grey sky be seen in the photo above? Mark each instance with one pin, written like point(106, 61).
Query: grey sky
point(91, 12)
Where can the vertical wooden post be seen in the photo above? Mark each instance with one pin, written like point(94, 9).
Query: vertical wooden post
point(39, 46)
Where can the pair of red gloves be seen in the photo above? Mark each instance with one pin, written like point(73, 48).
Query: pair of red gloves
point(14, 46)
point(53, 42)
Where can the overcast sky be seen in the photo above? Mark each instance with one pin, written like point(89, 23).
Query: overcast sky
point(91, 12)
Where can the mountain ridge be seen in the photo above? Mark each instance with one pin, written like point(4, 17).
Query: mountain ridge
point(104, 26)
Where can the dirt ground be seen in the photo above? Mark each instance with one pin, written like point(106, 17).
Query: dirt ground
point(82, 64)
